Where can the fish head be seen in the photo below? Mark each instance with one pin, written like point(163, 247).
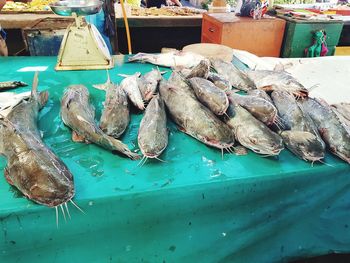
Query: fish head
point(259, 141)
point(263, 110)
point(297, 88)
point(42, 177)
point(305, 145)
point(342, 148)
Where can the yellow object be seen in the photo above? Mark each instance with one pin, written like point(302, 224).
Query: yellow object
point(126, 27)
point(83, 48)
point(35, 5)
point(134, 3)
point(342, 51)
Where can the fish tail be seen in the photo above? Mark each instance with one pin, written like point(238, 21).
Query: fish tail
point(117, 145)
point(138, 57)
point(43, 98)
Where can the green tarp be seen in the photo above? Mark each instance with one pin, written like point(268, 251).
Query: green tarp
point(196, 207)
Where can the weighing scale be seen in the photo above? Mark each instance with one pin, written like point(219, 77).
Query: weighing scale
point(82, 46)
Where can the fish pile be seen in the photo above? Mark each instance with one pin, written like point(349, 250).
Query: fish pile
point(211, 100)
point(222, 106)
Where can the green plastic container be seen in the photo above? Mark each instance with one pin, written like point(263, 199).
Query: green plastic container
point(298, 36)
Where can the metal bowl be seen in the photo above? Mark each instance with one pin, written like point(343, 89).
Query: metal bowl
point(80, 7)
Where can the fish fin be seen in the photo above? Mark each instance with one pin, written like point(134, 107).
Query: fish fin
point(34, 93)
point(323, 132)
point(100, 86)
point(124, 75)
point(43, 98)
point(181, 129)
point(137, 74)
point(6, 122)
point(77, 138)
point(108, 77)
point(267, 88)
point(138, 57)
point(103, 85)
point(7, 175)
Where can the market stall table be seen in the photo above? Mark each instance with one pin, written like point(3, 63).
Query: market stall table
point(20, 21)
point(195, 207)
point(14, 25)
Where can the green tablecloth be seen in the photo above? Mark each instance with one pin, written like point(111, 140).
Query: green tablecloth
point(196, 207)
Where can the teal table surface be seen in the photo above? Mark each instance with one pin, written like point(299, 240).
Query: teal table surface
point(195, 207)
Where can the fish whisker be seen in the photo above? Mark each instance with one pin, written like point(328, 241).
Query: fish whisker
point(141, 160)
point(56, 216)
point(64, 214)
point(160, 160)
point(326, 163)
point(65, 204)
point(81, 210)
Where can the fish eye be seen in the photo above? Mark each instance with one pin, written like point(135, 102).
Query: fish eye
point(253, 140)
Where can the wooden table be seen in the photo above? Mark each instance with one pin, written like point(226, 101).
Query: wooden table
point(16, 21)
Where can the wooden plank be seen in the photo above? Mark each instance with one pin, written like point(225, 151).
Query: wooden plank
point(15, 21)
point(161, 21)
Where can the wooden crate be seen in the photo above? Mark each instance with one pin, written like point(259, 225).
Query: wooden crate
point(261, 37)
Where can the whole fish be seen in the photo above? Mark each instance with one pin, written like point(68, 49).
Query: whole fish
point(78, 114)
point(131, 87)
point(260, 108)
point(334, 133)
point(178, 80)
point(219, 81)
point(31, 166)
point(201, 70)
point(343, 109)
point(153, 134)
point(172, 59)
point(195, 119)
point(211, 96)
point(260, 93)
point(252, 133)
point(300, 135)
point(148, 84)
point(270, 80)
point(237, 78)
point(6, 85)
point(115, 116)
